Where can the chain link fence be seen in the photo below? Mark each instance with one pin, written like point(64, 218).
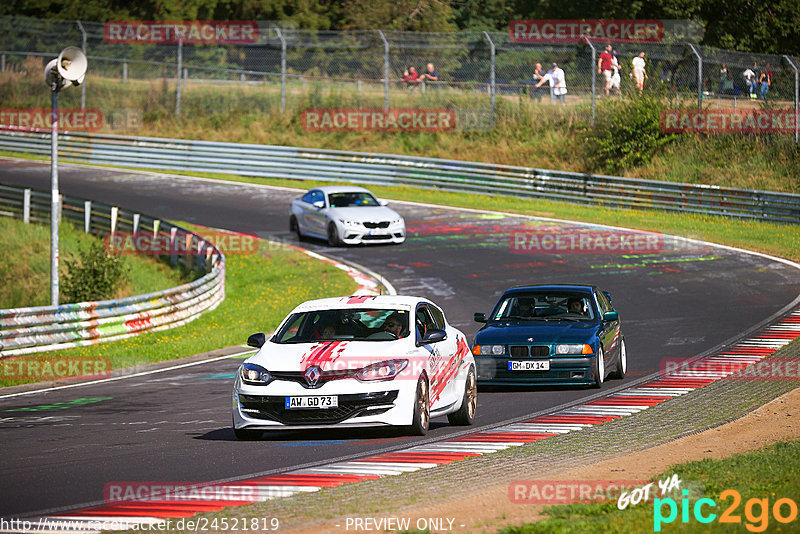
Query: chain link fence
point(287, 70)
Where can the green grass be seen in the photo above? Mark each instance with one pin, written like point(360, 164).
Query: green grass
point(260, 290)
point(769, 474)
point(25, 269)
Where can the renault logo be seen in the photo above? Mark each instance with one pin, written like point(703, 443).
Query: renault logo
point(312, 375)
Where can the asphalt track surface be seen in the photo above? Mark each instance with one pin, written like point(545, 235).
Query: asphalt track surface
point(60, 448)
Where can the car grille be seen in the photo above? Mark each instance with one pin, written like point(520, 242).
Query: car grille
point(534, 351)
point(326, 376)
point(272, 407)
point(383, 224)
point(375, 237)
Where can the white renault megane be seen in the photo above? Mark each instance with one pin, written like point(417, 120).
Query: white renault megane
point(345, 215)
point(356, 362)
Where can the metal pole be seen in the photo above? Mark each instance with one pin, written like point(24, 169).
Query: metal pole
point(492, 72)
point(180, 68)
point(83, 47)
point(283, 69)
point(594, 76)
point(54, 200)
point(699, 76)
point(124, 72)
point(385, 71)
point(796, 98)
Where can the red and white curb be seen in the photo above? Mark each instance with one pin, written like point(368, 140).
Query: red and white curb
point(594, 412)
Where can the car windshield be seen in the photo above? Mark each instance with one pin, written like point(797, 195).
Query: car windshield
point(544, 307)
point(346, 324)
point(352, 199)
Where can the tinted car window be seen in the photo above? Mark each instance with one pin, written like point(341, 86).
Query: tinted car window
point(544, 305)
point(605, 306)
point(345, 324)
point(356, 198)
point(438, 316)
point(317, 196)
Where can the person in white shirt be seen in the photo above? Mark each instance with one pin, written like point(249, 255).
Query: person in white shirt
point(639, 73)
point(616, 79)
point(558, 83)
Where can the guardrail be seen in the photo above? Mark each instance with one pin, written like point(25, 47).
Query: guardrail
point(36, 329)
point(382, 169)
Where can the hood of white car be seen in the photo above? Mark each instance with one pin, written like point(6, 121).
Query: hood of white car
point(329, 356)
point(364, 213)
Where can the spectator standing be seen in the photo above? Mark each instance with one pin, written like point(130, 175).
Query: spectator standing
point(604, 67)
point(639, 73)
point(616, 79)
point(751, 79)
point(723, 77)
point(558, 84)
point(538, 74)
point(765, 81)
point(430, 74)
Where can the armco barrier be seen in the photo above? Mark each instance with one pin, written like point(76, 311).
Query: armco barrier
point(28, 330)
point(450, 175)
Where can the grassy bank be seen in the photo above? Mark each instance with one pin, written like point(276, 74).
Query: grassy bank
point(25, 268)
point(260, 290)
point(526, 132)
point(766, 476)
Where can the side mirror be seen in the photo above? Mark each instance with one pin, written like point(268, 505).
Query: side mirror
point(257, 340)
point(383, 202)
point(434, 335)
point(611, 316)
point(319, 204)
point(480, 317)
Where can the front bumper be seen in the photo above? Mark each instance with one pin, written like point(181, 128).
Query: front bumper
point(361, 404)
point(357, 235)
point(564, 371)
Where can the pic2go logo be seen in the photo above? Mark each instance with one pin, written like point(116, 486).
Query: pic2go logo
point(756, 511)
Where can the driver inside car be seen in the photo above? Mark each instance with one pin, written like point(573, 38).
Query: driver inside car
point(393, 325)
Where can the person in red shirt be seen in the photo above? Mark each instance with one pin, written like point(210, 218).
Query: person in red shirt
point(604, 67)
point(411, 77)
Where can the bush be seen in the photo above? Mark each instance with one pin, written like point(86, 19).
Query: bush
point(95, 275)
point(626, 134)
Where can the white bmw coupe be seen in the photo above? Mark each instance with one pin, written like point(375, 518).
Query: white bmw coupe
point(345, 215)
point(356, 362)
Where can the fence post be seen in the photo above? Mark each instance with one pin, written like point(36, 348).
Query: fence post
point(283, 69)
point(385, 71)
point(492, 71)
point(594, 75)
point(83, 47)
point(124, 72)
point(699, 76)
point(2, 62)
point(136, 218)
point(796, 97)
point(26, 206)
point(114, 217)
point(180, 67)
point(87, 216)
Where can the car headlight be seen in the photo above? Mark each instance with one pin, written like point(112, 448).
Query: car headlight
point(574, 349)
point(349, 224)
point(382, 370)
point(489, 350)
point(253, 374)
